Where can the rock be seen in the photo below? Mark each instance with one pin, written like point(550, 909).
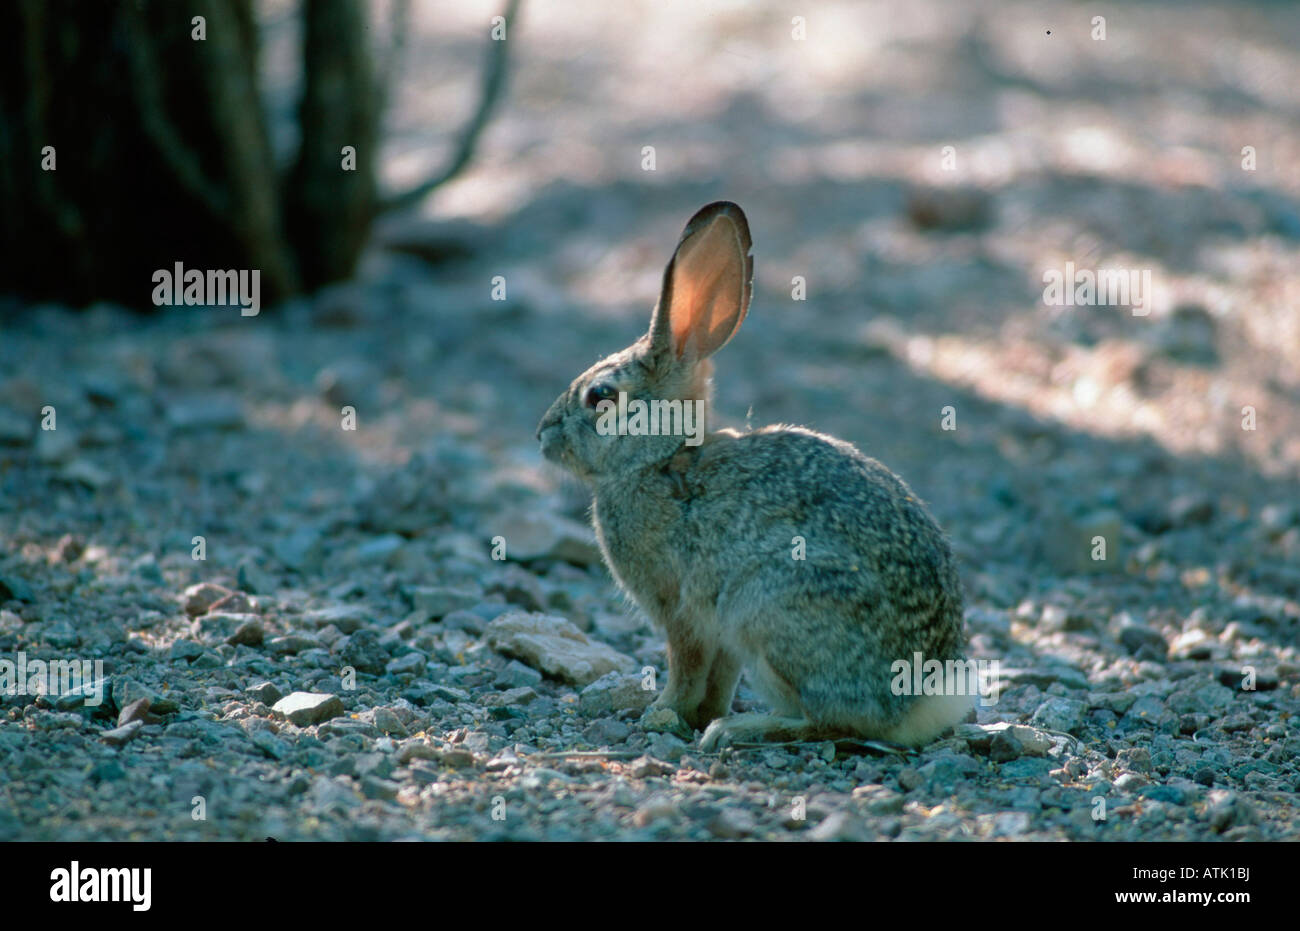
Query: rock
point(307, 708)
point(468, 621)
point(519, 587)
point(248, 633)
point(347, 382)
point(13, 588)
point(378, 549)
point(606, 732)
point(126, 690)
point(1170, 795)
point(449, 693)
point(415, 749)
point(185, 649)
point(15, 429)
point(950, 209)
point(218, 625)
point(1143, 642)
point(388, 722)
point(88, 695)
point(1005, 747)
point(1187, 335)
point(1134, 759)
point(1235, 678)
point(364, 653)
point(980, 737)
point(435, 601)
point(1277, 518)
point(1194, 644)
point(456, 758)
point(108, 771)
point(197, 599)
point(523, 695)
point(420, 495)
point(53, 446)
point(205, 412)
point(264, 692)
point(137, 710)
point(943, 771)
point(842, 826)
point(253, 579)
point(516, 675)
point(1010, 823)
point(1060, 714)
point(85, 472)
point(235, 603)
point(614, 692)
point(1191, 510)
point(1151, 520)
point(502, 761)
point(732, 824)
point(1227, 810)
point(119, 736)
point(665, 721)
point(373, 787)
point(531, 536)
point(269, 744)
point(666, 746)
point(1026, 768)
point(555, 646)
point(1130, 782)
point(645, 767)
point(62, 636)
point(291, 644)
point(411, 664)
point(70, 547)
point(657, 808)
point(1071, 545)
point(300, 550)
point(347, 618)
point(910, 779)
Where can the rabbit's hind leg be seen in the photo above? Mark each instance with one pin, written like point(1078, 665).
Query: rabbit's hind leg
point(756, 727)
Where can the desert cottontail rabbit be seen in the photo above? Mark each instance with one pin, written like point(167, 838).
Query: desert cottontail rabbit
point(781, 551)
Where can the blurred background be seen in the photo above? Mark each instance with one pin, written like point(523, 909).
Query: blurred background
point(919, 166)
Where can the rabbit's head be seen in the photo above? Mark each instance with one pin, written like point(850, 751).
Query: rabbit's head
point(706, 292)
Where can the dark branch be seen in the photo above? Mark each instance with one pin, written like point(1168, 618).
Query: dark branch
point(494, 76)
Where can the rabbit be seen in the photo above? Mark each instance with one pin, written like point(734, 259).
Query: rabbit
point(703, 536)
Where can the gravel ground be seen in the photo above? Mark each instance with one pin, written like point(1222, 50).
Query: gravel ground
point(449, 693)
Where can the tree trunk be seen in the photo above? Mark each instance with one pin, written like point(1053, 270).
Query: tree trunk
point(329, 207)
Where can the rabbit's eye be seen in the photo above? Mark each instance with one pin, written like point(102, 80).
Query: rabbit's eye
point(597, 393)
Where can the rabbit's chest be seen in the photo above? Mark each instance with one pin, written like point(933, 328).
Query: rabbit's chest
point(644, 548)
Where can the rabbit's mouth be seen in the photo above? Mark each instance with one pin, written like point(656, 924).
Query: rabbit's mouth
point(552, 443)
point(555, 450)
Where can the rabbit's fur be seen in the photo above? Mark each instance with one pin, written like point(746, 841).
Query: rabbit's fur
point(704, 537)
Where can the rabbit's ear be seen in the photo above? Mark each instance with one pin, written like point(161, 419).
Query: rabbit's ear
point(707, 285)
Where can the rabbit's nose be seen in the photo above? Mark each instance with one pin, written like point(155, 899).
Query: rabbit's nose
point(547, 421)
